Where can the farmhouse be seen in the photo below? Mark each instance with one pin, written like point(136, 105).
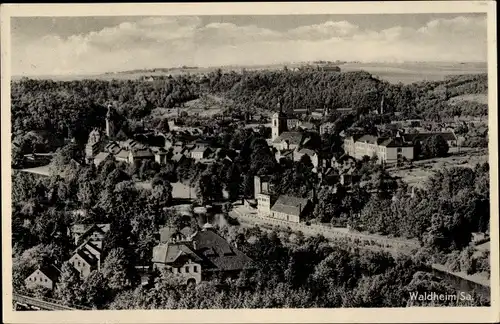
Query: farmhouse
point(45, 276)
point(199, 256)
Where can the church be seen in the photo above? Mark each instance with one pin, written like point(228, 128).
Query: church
point(100, 147)
point(289, 142)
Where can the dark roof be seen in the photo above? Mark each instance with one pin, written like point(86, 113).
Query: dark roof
point(103, 228)
point(448, 136)
point(51, 271)
point(170, 252)
point(394, 142)
point(291, 137)
point(307, 152)
point(219, 252)
point(290, 205)
point(143, 153)
point(87, 256)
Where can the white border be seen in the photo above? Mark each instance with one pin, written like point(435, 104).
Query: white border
point(427, 315)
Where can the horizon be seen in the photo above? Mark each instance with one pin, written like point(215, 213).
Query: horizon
point(98, 45)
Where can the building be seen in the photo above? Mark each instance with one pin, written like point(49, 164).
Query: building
point(199, 256)
point(45, 276)
point(160, 155)
point(449, 137)
point(262, 194)
point(298, 154)
point(84, 261)
point(291, 209)
point(200, 152)
point(101, 157)
point(326, 128)
point(289, 140)
point(88, 247)
point(94, 232)
point(93, 146)
point(387, 150)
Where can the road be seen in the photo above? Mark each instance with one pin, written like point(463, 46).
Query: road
point(250, 217)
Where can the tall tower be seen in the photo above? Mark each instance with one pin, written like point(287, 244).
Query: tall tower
point(110, 131)
point(278, 122)
point(382, 106)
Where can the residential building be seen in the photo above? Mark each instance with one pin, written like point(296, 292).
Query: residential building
point(101, 157)
point(84, 262)
point(289, 140)
point(326, 128)
point(291, 209)
point(139, 155)
point(200, 152)
point(160, 155)
point(199, 257)
point(94, 232)
point(313, 155)
point(45, 276)
point(387, 150)
point(449, 137)
point(91, 248)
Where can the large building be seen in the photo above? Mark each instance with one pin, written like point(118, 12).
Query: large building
point(283, 207)
point(387, 150)
point(198, 256)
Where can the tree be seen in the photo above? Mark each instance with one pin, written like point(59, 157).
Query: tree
point(435, 146)
point(68, 289)
point(116, 269)
point(95, 292)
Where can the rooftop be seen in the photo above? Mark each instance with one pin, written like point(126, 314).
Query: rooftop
point(290, 205)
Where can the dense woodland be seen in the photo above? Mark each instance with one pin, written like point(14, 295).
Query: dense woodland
point(292, 271)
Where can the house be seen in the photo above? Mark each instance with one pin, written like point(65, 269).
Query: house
point(84, 262)
point(326, 128)
point(307, 126)
point(291, 209)
point(160, 155)
point(298, 154)
point(199, 257)
point(200, 152)
point(171, 234)
point(122, 156)
point(101, 157)
point(386, 149)
point(45, 276)
point(288, 140)
point(90, 248)
point(449, 137)
point(94, 232)
point(139, 155)
point(112, 147)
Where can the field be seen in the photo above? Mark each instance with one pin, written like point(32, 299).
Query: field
point(479, 98)
point(206, 106)
point(391, 72)
point(422, 170)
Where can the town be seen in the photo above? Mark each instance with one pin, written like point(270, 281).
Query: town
point(217, 190)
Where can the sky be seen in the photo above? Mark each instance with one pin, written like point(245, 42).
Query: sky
point(88, 45)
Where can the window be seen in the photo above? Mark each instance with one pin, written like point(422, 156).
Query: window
point(45, 280)
point(195, 269)
point(186, 269)
point(79, 264)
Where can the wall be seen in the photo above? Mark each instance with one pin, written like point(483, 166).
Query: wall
point(185, 272)
point(37, 278)
point(263, 204)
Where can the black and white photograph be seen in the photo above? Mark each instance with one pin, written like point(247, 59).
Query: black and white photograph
point(237, 160)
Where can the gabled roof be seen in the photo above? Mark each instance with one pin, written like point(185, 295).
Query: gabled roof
point(170, 252)
point(101, 157)
point(142, 153)
point(103, 228)
point(51, 271)
point(292, 138)
point(307, 152)
point(394, 142)
point(87, 256)
point(221, 254)
point(290, 205)
point(122, 154)
point(448, 136)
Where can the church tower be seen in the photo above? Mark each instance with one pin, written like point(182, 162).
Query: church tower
point(110, 129)
point(279, 122)
point(381, 112)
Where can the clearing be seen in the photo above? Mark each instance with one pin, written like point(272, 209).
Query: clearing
point(422, 170)
point(481, 98)
point(206, 106)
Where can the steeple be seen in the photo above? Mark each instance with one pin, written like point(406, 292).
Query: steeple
point(110, 131)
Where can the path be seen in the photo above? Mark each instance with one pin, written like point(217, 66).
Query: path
point(245, 215)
